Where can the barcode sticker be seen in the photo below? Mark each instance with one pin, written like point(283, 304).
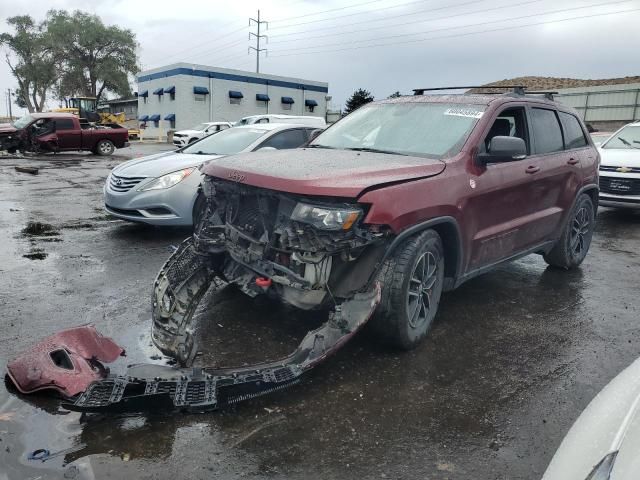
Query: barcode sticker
point(463, 112)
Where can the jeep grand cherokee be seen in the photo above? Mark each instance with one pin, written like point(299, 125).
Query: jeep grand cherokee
point(412, 195)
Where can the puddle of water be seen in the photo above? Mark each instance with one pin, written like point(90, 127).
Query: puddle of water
point(36, 255)
point(39, 229)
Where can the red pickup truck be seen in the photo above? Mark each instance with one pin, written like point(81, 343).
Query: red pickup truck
point(58, 132)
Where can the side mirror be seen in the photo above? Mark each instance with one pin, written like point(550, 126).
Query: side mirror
point(315, 133)
point(266, 149)
point(504, 149)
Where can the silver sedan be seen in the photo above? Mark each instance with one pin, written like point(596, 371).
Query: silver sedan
point(162, 189)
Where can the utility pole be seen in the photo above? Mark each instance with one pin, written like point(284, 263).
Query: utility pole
point(257, 48)
point(9, 100)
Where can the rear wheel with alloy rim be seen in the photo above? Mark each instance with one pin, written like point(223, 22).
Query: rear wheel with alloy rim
point(105, 147)
point(412, 280)
point(572, 247)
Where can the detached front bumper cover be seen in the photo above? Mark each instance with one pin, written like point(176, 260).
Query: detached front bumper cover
point(78, 374)
point(66, 362)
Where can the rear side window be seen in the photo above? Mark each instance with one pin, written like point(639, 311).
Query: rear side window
point(573, 134)
point(64, 124)
point(286, 139)
point(547, 136)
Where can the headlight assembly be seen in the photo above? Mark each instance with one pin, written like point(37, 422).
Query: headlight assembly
point(326, 218)
point(168, 180)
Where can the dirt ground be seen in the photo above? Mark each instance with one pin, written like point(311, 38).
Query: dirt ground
point(514, 356)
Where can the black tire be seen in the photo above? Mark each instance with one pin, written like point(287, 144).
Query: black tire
point(191, 140)
point(403, 317)
point(573, 245)
point(105, 148)
point(198, 209)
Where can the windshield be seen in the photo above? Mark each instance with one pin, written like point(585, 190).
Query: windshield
point(421, 129)
point(23, 121)
point(628, 137)
point(200, 127)
point(226, 142)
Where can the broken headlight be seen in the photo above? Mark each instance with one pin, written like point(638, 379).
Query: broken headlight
point(168, 180)
point(326, 218)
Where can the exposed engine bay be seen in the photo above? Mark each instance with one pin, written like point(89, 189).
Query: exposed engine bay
point(306, 248)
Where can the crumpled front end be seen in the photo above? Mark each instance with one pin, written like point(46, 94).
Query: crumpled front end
point(312, 252)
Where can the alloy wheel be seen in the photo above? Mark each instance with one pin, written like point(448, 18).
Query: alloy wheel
point(421, 283)
point(579, 230)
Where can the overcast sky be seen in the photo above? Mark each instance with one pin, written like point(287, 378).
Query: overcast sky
point(402, 44)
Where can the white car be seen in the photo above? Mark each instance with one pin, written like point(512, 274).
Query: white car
point(604, 443)
point(162, 189)
point(317, 122)
point(620, 168)
point(185, 137)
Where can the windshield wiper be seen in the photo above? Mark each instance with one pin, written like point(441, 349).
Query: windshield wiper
point(317, 145)
point(375, 150)
point(626, 142)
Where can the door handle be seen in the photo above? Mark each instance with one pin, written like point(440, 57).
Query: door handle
point(532, 169)
point(573, 161)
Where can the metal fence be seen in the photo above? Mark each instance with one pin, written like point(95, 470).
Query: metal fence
point(611, 103)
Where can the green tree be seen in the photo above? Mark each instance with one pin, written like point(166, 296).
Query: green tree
point(395, 94)
point(357, 99)
point(19, 99)
point(98, 58)
point(31, 60)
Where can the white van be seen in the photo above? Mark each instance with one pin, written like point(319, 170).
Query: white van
point(317, 122)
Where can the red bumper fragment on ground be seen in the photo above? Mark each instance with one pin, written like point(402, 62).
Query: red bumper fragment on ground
point(66, 362)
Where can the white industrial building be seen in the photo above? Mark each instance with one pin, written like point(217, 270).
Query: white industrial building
point(182, 95)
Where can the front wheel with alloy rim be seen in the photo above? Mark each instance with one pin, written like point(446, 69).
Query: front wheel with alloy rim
point(105, 147)
point(573, 245)
point(412, 280)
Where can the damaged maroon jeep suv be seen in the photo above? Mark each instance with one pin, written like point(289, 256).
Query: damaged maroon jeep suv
point(412, 196)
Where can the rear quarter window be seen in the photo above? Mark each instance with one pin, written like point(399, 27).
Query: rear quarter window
point(547, 136)
point(573, 133)
point(64, 124)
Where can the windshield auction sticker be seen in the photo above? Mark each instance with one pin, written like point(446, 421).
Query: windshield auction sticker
point(463, 112)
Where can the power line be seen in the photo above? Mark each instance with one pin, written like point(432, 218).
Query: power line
point(325, 11)
point(208, 42)
point(549, 22)
point(468, 25)
point(418, 12)
point(502, 7)
point(372, 10)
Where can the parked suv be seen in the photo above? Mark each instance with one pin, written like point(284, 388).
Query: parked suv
point(413, 195)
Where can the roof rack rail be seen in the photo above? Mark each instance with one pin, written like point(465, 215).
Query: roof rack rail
point(518, 89)
point(548, 95)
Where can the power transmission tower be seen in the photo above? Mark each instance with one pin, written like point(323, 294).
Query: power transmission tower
point(257, 48)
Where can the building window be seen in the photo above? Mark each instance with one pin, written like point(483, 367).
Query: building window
point(235, 97)
point(155, 119)
point(287, 102)
point(200, 93)
point(310, 104)
point(172, 95)
point(171, 91)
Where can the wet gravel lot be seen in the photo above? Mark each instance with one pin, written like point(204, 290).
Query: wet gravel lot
point(514, 357)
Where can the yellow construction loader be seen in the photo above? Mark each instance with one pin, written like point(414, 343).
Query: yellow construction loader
point(87, 109)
